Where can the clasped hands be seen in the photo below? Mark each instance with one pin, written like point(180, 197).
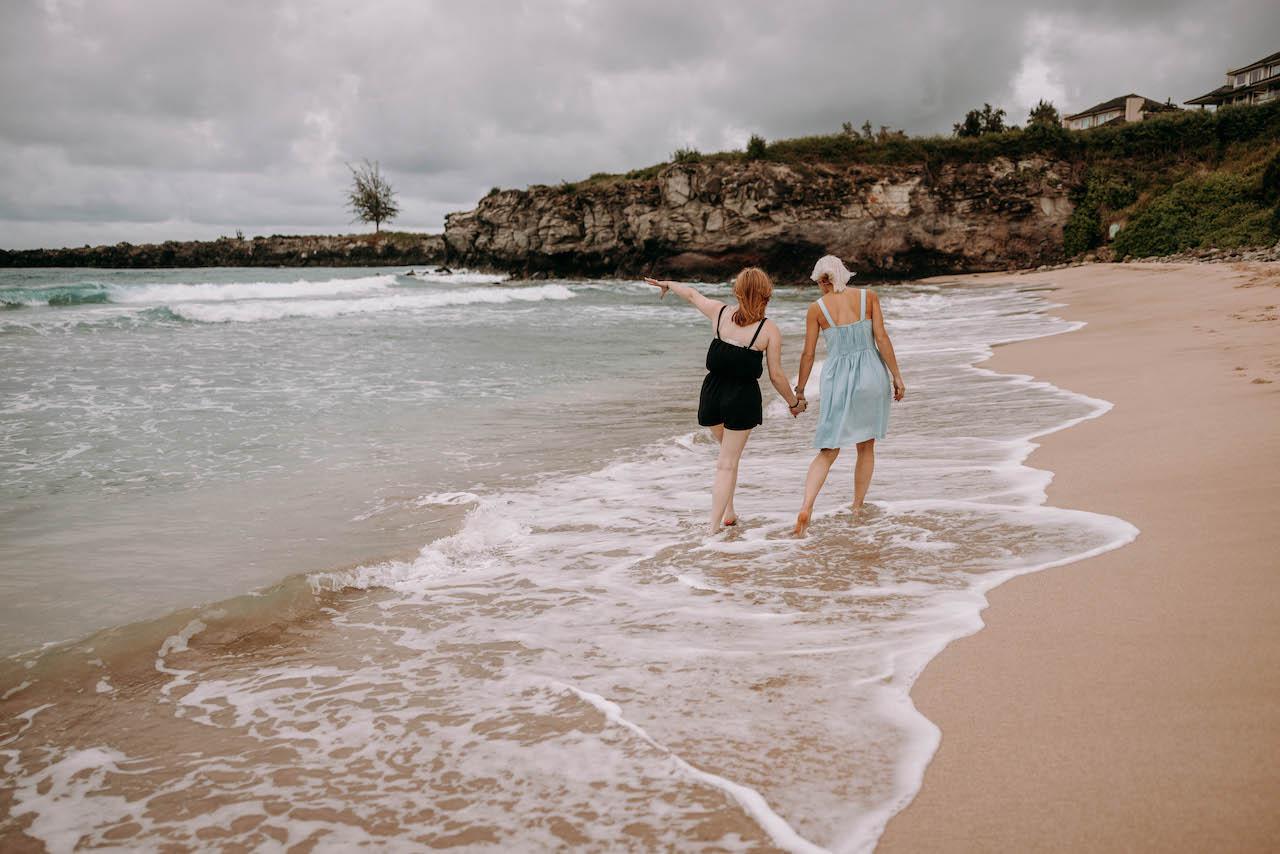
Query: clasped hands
point(801, 406)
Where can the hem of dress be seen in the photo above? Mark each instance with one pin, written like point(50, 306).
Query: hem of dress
point(877, 436)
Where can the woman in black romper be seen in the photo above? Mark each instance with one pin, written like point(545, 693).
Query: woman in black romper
point(730, 403)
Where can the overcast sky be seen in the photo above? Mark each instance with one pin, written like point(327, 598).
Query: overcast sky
point(148, 120)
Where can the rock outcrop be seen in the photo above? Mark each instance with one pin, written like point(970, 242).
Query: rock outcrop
point(708, 219)
point(355, 250)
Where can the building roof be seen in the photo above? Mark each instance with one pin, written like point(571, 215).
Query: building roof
point(1213, 97)
point(1275, 57)
point(1148, 105)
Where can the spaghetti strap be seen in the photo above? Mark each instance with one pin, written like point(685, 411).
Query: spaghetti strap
point(823, 306)
point(752, 342)
point(862, 304)
point(718, 317)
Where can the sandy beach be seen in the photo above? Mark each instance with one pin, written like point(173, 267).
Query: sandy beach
point(1131, 701)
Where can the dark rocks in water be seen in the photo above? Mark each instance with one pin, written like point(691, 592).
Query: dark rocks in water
point(442, 270)
point(707, 220)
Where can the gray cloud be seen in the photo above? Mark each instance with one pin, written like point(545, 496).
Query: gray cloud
point(141, 119)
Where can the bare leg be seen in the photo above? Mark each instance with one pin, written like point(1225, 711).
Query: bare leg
point(731, 445)
point(730, 515)
point(862, 472)
point(818, 471)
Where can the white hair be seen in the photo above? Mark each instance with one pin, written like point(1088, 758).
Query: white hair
point(833, 267)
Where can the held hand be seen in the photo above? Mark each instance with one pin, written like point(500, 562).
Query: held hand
point(801, 406)
point(899, 388)
point(663, 286)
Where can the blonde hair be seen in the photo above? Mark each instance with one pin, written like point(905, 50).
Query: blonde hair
point(753, 288)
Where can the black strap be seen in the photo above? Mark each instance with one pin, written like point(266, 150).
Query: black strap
point(757, 335)
point(718, 316)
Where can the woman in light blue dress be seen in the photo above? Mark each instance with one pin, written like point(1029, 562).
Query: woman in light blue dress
point(858, 379)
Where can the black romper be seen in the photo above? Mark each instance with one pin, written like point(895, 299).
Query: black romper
point(731, 391)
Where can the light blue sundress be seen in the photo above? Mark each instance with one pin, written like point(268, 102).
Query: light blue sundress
point(855, 387)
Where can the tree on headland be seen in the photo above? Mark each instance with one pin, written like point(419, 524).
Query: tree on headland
point(371, 198)
point(979, 122)
point(1044, 113)
point(756, 147)
point(870, 134)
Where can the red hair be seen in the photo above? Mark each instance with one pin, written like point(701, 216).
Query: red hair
point(753, 288)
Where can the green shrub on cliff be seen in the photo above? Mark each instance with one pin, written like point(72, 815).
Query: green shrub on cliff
point(1083, 230)
point(1103, 194)
point(756, 147)
point(1219, 210)
point(1269, 191)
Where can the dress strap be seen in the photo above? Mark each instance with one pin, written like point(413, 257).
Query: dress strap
point(823, 306)
point(752, 342)
point(718, 316)
point(862, 303)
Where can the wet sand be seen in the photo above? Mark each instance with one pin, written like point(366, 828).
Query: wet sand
point(1132, 701)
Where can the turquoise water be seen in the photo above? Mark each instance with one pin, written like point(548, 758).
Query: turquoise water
point(411, 561)
point(170, 437)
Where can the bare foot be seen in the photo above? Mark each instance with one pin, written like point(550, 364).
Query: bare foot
point(802, 524)
point(730, 520)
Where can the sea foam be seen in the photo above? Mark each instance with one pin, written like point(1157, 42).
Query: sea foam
point(271, 309)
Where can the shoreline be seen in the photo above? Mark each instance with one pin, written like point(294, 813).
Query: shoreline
point(1115, 703)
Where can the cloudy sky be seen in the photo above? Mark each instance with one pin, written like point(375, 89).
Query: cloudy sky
point(154, 119)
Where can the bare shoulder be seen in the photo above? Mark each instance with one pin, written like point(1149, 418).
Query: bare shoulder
point(771, 333)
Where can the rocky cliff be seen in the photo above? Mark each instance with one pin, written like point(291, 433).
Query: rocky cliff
point(710, 218)
point(353, 250)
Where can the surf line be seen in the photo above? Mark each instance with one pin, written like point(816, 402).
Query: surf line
point(782, 833)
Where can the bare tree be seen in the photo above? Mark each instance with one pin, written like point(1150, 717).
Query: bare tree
point(371, 198)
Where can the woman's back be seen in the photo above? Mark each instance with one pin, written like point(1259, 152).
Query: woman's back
point(844, 307)
point(855, 382)
point(736, 357)
point(741, 336)
point(848, 328)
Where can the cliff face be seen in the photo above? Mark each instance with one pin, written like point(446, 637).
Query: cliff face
point(356, 250)
point(709, 219)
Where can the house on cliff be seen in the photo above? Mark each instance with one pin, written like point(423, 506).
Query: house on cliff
point(1255, 83)
point(1126, 108)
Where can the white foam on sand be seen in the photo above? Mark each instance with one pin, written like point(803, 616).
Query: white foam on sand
point(783, 665)
point(750, 800)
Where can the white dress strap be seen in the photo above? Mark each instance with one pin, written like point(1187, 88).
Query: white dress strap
point(822, 306)
point(862, 303)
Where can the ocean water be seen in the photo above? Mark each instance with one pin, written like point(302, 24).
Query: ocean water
point(342, 557)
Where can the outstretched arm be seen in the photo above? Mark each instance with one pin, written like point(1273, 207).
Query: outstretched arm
point(773, 357)
point(811, 331)
point(706, 305)
point(885, 346)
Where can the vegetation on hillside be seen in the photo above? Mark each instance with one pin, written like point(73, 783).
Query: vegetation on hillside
point(1179, 180)
point(979, 122)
